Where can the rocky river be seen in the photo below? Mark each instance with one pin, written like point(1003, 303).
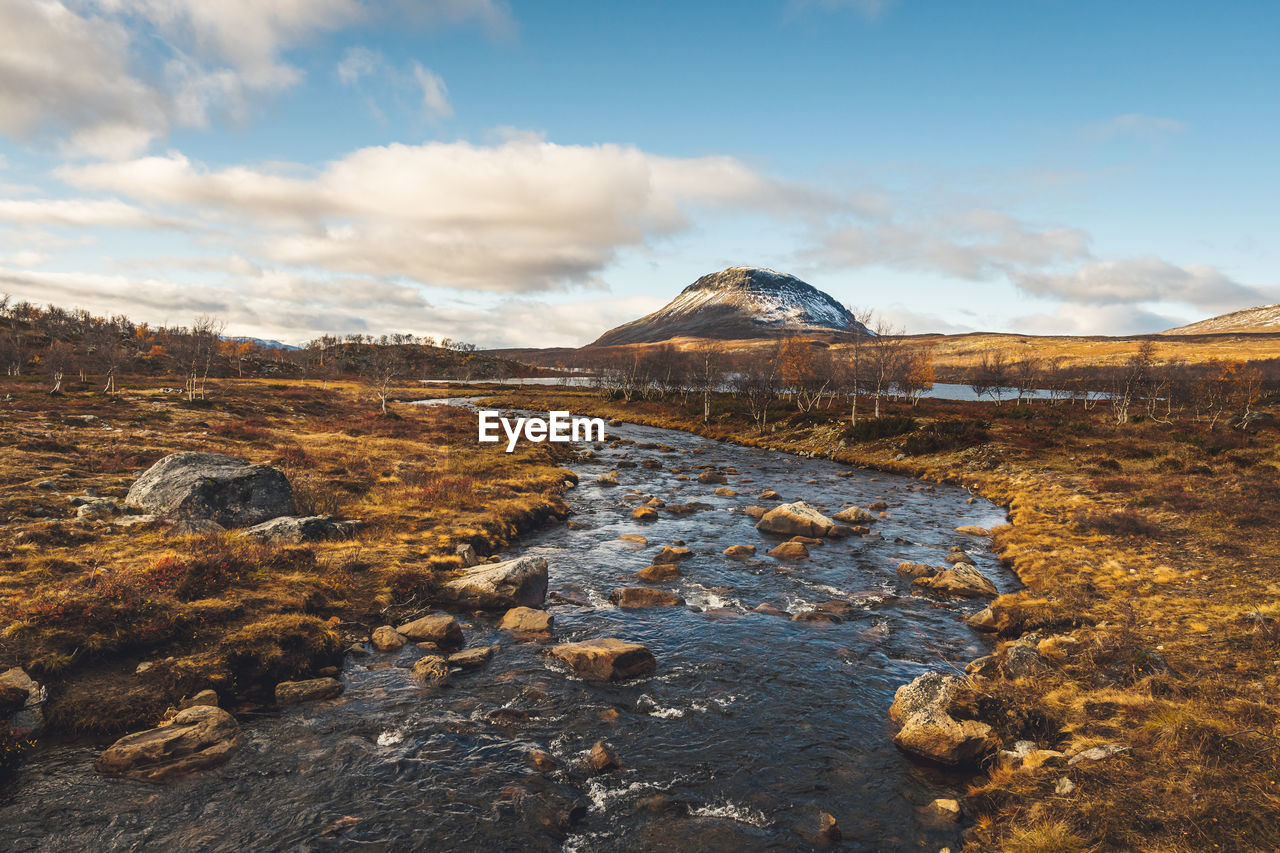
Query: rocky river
point(755, 731)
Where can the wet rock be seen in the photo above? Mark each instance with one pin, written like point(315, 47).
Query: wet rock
point(819, 617)
point(769, 610)
point(656, 503)
point(973, 530)
point(795, 519)
point(526, 620)
point(659, 572)
point(22, 700)
point(672, 553)
point(712, 477)
point(840, 531)
point(542, 760)
point(296, 529)
point(960, 580)
point(467, 552)
point(432, 670)
point(987, 666)
point(607, 659)
point(927, 729)
point(916, 570)
point(204, 697)
point(311, 690)
point(634, 537)
point(770, 495)
point(854, 515)
point(740, 551)
point(601, 759)
point(609, 479)
point(654, 803)
point(213, 487)
point(944, 809)
point(196, 738)
point(754, 511)
point(387, 639)
point(958, 557)
point(789, 551)
point(439, 629)
point(820, 829)
point(500, 586)
point(643, 596)
point(644, 513)
point(878, 506)
point(726, 492)
point(474, 658)
point(807, 540)
point(843, 609)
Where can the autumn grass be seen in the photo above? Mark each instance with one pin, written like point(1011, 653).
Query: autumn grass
point(1149, 555)
point(82, 603)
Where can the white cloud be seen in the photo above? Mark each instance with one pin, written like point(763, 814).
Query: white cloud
point(524, 215)
point(81, 213)
point(1142, 279)
point(435, 95)
point(357, 63)
point(1094, 320)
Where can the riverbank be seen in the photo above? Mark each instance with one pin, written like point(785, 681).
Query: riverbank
point(1147, 551)
point(85, 599)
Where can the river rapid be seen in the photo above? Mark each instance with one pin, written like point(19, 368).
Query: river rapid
point(750, 727)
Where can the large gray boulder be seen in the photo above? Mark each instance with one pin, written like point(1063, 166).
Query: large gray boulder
point(198, 737)
point(961, 580)
point(297, 529)
point(521, 582)
point(926, 729)
point(213, 487)
point(795, 519)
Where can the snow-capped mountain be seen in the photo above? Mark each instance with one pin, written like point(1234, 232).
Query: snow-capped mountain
point(1264, 318)
point(740, 302)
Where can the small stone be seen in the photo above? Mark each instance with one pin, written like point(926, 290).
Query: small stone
point(438, 629)
point(947, 809)
point(311, 690)
point(644, 513)
point(1097, 753)
point(542, 760)
point(790, 551)
point(526, 620)
point(641, 596)
point(602, 758)
point(473, 658)
point(726, 492)
point(388, 639)
point(204, 697)
point(432, 670)
point(740, 551)
point(1064, 787)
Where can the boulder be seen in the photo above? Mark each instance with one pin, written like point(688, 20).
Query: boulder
point(961, 580)
point(439, 629)
point(607, 659)
point(473, 658)
point(1021, 661)
point(526, 620)
point(542, 760)
point(878, 506)
point(601, 758)
point(841, 531)
point(431, 669)
point(672, 553)
point(819, 617)
point(854, 515)
point(983, 620)
point(22, 701)
point(927, 730)
point(958, 557)
point(740, 551)
point(644, 513)
point(659, 572)
point(769, 610)
point(643, 596)
point(726, 492)
point(499, 586)
point(712, 477)
point(311, 690)
point(197, 737)
point(467, 552)
point(973, 530)
point(790, 551)
point(795, 519)
point(297, 529)
point(916, 570)
point(204, 697)
point(770, 495)
point(387, 639)
point(213, 487)
point(756, 512)
point(610, 479)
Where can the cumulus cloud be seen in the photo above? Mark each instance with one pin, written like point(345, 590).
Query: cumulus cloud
point(360, 65)
point(524, 215)
point(1094, 320)
point(81, 213)
point(1142, 279)
point(105, 78)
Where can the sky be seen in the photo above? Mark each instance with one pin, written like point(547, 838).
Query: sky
point(534, 173)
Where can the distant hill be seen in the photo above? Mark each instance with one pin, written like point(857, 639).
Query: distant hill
point(739, 303)
point(1264, 318)
point(265, 343)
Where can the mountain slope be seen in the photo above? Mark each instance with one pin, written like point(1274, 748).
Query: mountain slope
point(740, 302)
point(1264, 318)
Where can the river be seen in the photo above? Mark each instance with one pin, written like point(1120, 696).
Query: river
point(751, 725)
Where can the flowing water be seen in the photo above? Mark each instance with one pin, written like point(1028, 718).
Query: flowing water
point(751, 725)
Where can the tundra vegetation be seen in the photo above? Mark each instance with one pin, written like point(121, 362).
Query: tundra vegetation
point(1144, 507)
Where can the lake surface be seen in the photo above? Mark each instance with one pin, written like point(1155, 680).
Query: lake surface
point(751, 725)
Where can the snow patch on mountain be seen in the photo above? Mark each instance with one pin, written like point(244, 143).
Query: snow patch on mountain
point(1264, 318)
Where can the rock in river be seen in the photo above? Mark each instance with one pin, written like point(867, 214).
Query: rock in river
point(927, 729)
point(387, 639)
point(311, 690)
point(198, 737)
point(659, 572)
point(795, 519)
point(431, 669)
point(854, 515)
point(521, 582)
point(526, 620)
point(22, 698)
point(740, 551)
point(672, 553)
point(213, 487)
point(961, 579)
point(644, 513)
point(790, 551)
point(643, 596)
point(439, 629)
point(607, 659)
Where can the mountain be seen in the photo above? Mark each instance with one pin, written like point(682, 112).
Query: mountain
point(737, 303)
point(262, 342)
point(1264, 318)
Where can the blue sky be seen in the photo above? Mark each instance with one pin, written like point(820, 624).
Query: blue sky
point(534, 173)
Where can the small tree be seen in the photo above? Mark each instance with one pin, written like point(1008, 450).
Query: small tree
point(707, 372)
point(385, 365)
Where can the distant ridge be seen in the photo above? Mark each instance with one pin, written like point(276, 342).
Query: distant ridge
point(1264, 318)
point(739, 303)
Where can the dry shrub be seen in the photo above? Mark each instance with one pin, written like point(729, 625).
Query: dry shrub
point(1123, 522)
